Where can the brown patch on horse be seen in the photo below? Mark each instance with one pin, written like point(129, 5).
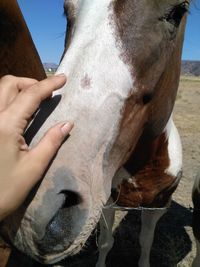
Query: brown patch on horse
point(142, 59)
point(86, 82)
point(140, 53)
point(18, 55)
point(134, 117)
point(149, 185)
point(9, 28)
point(126, 14)
point(165, 92)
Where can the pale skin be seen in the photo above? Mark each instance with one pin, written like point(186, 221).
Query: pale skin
point(20, 167)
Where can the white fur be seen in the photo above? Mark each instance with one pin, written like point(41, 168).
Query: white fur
point(174, 149)
point(148, 224)
point(106, 239)
point(95, 111)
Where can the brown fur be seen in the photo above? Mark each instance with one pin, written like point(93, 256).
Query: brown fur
point(162, 94)
point(4, 254)
point(18, 55)
point(126, 15)
point(149, 185)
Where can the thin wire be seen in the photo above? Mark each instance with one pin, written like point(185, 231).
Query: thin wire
point(104, 218)
point(139, 208)
point(132, 208)
point(115, 202)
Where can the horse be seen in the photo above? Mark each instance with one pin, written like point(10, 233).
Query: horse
point(18, 55)
point(196, 217)
point(122, 60)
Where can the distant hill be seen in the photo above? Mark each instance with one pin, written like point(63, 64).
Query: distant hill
point(188, 67)
point(50, 65)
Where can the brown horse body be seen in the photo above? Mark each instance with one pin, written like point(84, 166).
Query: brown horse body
point(18, 55)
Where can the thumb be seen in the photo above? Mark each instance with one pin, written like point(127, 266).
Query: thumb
point(41, 155)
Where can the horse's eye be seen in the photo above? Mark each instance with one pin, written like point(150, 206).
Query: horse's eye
point(176, 14)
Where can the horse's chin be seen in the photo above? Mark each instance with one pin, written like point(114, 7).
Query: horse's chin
point(59, 243)
point(64, 235)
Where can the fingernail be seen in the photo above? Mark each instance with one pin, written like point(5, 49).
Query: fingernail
point(67, 127)
point(24, 147)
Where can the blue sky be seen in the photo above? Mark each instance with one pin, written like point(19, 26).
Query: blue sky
point(47, 25)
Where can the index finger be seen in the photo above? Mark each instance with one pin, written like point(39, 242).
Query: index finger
point(28, 101)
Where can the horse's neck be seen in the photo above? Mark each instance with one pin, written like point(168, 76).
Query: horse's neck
point(18, 55)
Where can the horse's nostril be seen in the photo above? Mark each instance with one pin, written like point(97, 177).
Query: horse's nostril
point(64, 226)
point(147, 98)
point(71, 199)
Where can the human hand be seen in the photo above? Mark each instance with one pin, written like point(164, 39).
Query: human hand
point(21, 167)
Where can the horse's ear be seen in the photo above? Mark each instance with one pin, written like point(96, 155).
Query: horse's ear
point(18, 55)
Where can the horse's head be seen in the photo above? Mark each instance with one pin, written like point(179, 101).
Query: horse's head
point(122, 60)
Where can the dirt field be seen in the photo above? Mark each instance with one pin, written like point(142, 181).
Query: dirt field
point(187, 118)
point(173, 243)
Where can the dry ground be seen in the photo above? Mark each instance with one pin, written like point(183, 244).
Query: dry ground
point(173, 243)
